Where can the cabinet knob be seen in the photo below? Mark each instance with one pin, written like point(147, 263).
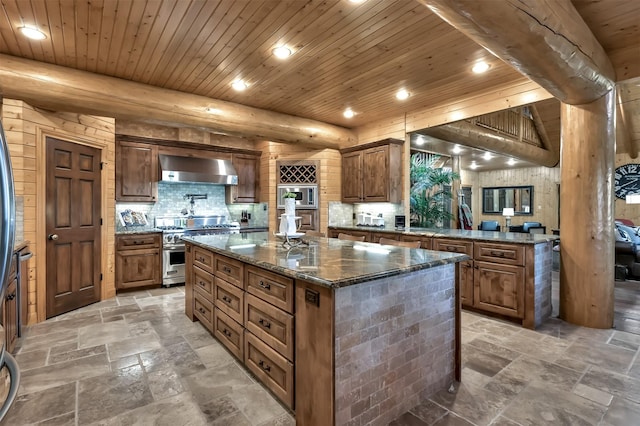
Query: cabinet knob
point(226, 299)
point(53, 237)
point(226, 269)
point(264, 365)
point(264, 323)
point(264, 285)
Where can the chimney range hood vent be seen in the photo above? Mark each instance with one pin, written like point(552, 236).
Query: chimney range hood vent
point(204, 170)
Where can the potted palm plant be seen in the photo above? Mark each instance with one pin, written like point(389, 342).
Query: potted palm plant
point(429, 195)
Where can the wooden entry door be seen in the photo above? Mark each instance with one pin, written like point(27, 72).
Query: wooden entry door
point(73, 226)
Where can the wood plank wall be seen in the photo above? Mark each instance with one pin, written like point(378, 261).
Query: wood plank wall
point(25, 129)
point(330, 176)
point(545, 181)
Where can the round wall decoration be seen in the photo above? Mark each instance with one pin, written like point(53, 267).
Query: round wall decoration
point(627, 180)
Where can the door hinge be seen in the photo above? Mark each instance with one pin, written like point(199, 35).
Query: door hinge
point(100, 276)
point(101, 165)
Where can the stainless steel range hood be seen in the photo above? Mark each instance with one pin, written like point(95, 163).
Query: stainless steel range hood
point(189, 169)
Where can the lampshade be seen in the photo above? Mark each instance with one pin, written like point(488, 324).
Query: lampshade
point(633, 199)
point(508, 212)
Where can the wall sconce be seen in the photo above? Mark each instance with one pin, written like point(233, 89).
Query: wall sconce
point(508, 213)
point(633, 199)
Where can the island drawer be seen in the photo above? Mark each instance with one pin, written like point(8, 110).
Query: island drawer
point(453, 246)
point(229, 333)
point(203, 283)
point(272, 325)
point(203, 310)
point(271, 287)
point(507, 254)
point(203, 259)
point(133, 242)
point(425, 242)
point(270, 367)
point(230, 270)
point(229, 299)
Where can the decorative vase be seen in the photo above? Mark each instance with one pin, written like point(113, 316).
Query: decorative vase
point(288, 224)
point(290, 206)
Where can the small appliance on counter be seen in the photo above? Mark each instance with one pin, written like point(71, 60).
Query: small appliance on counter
point(400, 223)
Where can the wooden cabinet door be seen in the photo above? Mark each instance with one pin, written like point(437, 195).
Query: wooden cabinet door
point(308, 219)
point(11, 314)
point(136, 172)
point(248, 188)
point(375, 174)
point(136, 268)
point(499, 288)
point(466, 282)
point(352, 177)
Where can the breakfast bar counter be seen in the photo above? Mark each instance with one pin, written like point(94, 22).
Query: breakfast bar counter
point(339, 331)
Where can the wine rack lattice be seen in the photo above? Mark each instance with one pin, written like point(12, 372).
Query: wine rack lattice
point(298, 173)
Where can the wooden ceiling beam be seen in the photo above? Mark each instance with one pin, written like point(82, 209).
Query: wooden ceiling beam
point(64, 89)
point(546, 40)
point(468, 134)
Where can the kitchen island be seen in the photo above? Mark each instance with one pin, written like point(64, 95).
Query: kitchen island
point(508, 273)
point(339, 331)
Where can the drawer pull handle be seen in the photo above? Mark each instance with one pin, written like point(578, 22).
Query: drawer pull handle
point(264, 285)
point(202, 311)
point(201, 283)
point(264, 365)
point(226, 269)
point(451, 248)
point(226, 299)
point(226, 332)
point(201, 259)
point(264, 323)
point(497, 253)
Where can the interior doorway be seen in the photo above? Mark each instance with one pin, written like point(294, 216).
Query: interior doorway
point(73, 225)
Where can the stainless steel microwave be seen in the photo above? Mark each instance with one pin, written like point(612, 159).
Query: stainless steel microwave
point(306, 195)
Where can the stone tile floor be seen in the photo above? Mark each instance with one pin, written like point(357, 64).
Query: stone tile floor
point(137, 359)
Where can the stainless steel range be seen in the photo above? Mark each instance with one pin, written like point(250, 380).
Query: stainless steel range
point(174, 228)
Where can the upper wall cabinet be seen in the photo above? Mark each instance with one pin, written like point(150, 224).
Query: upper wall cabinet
point(372, 172)
point(248, 188)
point(136, 172)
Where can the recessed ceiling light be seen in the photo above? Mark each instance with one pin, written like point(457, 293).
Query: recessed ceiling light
point(511, 162)
point(212, 110)
point(480, 67)
point(420, 140)
point(487, 156)
point(32, 33)
point(456, 149)
point(348, 113)
point(281, 52)
point(473, 165)
point(239, 85)
point(402, 94)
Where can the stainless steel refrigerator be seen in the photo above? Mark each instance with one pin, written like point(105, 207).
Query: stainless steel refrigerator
point(9, 372)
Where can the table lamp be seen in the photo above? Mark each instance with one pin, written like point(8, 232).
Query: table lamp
point(508, 213)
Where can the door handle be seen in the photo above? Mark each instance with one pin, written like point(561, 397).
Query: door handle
point(53, 237)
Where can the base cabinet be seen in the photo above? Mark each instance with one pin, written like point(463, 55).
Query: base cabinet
point(499, 288)
point(138, 260)
point(250, 311)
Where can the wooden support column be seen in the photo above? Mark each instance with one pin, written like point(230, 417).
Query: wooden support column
point(586, 213)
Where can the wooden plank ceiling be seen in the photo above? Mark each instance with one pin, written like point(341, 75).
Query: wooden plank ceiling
point(345, 54)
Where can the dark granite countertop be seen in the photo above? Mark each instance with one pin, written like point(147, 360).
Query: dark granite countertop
point(487, 236)
point(325, 261)
point(136, 230)
point(20, 244)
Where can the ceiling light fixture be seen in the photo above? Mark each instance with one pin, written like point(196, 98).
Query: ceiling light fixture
point(239, 85)
point(473, 165)
point(348, 113)
point(402, 94)
point(487, 156)
point(420, 140)
point(511, 162)
point(456, 149)
point(480, 67)
point(281, 52)
point(32, 33)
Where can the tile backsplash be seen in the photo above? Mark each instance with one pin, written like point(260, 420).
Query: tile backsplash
point(341, 214)
point(171, 202)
